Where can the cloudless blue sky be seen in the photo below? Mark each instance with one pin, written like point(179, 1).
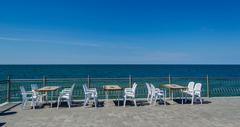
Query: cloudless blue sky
point(120, 32)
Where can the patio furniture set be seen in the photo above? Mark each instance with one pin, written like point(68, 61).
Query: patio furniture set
point(38, 96)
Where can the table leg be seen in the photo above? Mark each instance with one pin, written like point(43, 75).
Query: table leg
point(182, 95)
point(169, 93)
point(118, 97)
point(51, 98)
point(106, 95)
point(46, 98)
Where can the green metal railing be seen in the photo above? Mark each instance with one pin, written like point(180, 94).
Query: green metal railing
point(212, 87)
point(3, 91)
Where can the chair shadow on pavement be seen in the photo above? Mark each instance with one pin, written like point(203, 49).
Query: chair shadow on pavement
point(179, 101)
point(79, 104)
point(1, 124)
point(139, 103)
point(6, 110)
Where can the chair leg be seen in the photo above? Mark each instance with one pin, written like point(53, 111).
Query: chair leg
point(124, 102)
point(23, 104)
point(185, 98)
point(135, 103)
point(155, 101)
point(69, 104)
point(193, 99)
point(86, 101)
point(200, 97)
point(59, 101)
point(33, 104)
point(164, 99)
point(95, 101)
point(151, 99)
point(182, 98)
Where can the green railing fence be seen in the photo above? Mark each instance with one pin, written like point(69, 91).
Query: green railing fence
point(212, 87)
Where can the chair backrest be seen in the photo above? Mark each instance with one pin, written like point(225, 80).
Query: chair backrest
point(191, 86)
point(198, 87)
point(23, 91)
point(72, 88)
point(148, 88)
point(85, 89)
point(34, 86)
point(134, 87)
point(152, 88)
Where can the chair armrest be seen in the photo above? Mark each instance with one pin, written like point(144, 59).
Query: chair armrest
point(65, 90)
point(92, 89)
point(63, 93)
point(28, 93)
point(128, 89)
point(197, 91)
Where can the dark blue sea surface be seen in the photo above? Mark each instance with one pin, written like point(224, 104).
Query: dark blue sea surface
point(64, 71)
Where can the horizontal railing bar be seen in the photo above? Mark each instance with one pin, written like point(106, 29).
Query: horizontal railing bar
point(54, 79)
point(112, 78)
point(16, 79)
point(188, 77)
point(150, 77)
point(26, 79)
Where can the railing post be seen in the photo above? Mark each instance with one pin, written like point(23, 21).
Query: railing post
point(44, 81)
point(169, 82)
point(169, 79)
point(130, 81)
point(208, 91)
point(88, 81)
point(8, 89)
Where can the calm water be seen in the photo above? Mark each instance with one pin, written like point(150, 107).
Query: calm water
point(38, 71)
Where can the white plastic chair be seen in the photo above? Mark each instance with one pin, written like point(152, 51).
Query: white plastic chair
point(129, 93)
point(28, 96)
point(197, 92)
point(40, 95)
point(157, 94)
point(90, 93)
point(189, 90)
point(66, 94)
point(149, 94)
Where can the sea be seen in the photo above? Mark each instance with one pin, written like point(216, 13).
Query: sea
point(109, 71)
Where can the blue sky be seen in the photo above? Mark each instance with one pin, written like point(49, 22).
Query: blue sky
point(120, 32)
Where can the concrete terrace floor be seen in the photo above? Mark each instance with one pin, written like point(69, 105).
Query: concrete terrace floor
point(220, 112)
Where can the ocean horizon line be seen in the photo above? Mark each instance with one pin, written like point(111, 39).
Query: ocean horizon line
point(118, 64)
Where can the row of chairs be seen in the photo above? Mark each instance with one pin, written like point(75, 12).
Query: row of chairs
point(32, 96)
point(66, 94)
point(154, 94)
point(194, 90)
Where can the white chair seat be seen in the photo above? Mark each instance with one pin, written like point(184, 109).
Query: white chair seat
point(194, 91)
point(188, 92)
point(90, 93)
point(28, 96)
point(161, 94)
point(157, 94)
point(129, 93)
point(67, 95)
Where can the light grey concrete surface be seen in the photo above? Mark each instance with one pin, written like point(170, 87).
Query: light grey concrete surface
point(220, 112)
